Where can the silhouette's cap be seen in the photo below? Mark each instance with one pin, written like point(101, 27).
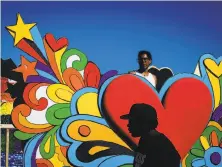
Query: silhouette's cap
point(141, 112)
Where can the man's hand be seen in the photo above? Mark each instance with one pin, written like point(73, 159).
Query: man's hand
point(132, 72)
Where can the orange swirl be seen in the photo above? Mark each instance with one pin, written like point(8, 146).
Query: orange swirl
point(20, 122)
point(29, 96)
point(43, 163)
point(73, 79)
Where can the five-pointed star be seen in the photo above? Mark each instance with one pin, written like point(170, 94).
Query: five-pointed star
point(27, 68)
point(20, 30)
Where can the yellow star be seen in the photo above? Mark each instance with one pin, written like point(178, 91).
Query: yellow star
point(27, 68)
point(20, 30)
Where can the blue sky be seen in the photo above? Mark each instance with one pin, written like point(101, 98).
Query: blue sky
point(112, 33)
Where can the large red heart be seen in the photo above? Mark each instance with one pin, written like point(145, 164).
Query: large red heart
point(54, 44)
point(183, 110)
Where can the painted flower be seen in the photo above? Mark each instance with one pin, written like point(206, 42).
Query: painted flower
point(91, 77)
point(211, 154)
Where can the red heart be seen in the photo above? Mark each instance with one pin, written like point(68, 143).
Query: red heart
point(182, 115)
point(56, 45)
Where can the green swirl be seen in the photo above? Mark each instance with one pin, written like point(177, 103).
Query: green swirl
point(78, 65)
point(22, 135)
point(57, 113)
point(51, 135)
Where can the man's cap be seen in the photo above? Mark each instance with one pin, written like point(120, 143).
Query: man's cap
point(141, 111)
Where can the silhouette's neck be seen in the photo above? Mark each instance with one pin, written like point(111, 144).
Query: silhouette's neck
point(149, 132)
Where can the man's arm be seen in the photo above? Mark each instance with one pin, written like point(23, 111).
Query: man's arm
point(132, 72)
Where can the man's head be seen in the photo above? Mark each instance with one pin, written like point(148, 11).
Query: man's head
point(142, 118)
point(144, 59)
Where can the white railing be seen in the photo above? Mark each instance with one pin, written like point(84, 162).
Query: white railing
point(7, 127)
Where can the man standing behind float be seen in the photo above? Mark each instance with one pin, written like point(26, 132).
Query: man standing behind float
point(144, 61)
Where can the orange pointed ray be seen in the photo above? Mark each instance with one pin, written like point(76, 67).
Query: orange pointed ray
point(51, 56)
point(214, 139)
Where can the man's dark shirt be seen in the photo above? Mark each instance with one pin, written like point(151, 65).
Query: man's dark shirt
point(156, 150)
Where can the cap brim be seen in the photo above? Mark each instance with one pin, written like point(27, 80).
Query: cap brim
point(124, 116)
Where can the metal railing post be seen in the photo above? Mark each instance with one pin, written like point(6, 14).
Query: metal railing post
point(7, 127)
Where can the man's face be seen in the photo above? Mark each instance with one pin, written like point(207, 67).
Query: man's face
point(134, 127)
point(144, 61)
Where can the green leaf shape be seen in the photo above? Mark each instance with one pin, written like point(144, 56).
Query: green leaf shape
point(50, 135)
point(22, 135)
point(57, 113)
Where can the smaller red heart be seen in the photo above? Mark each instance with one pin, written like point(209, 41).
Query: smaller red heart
point(54, 44)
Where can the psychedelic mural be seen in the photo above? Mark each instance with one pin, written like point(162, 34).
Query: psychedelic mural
point(69, 113)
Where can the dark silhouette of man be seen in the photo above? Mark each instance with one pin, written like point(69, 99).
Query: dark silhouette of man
point(154, 149)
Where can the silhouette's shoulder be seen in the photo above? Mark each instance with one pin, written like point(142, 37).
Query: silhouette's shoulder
point(159, 137)
point(154, 137)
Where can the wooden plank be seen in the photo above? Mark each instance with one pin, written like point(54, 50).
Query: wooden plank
point(7, 126)
point(7, 147)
